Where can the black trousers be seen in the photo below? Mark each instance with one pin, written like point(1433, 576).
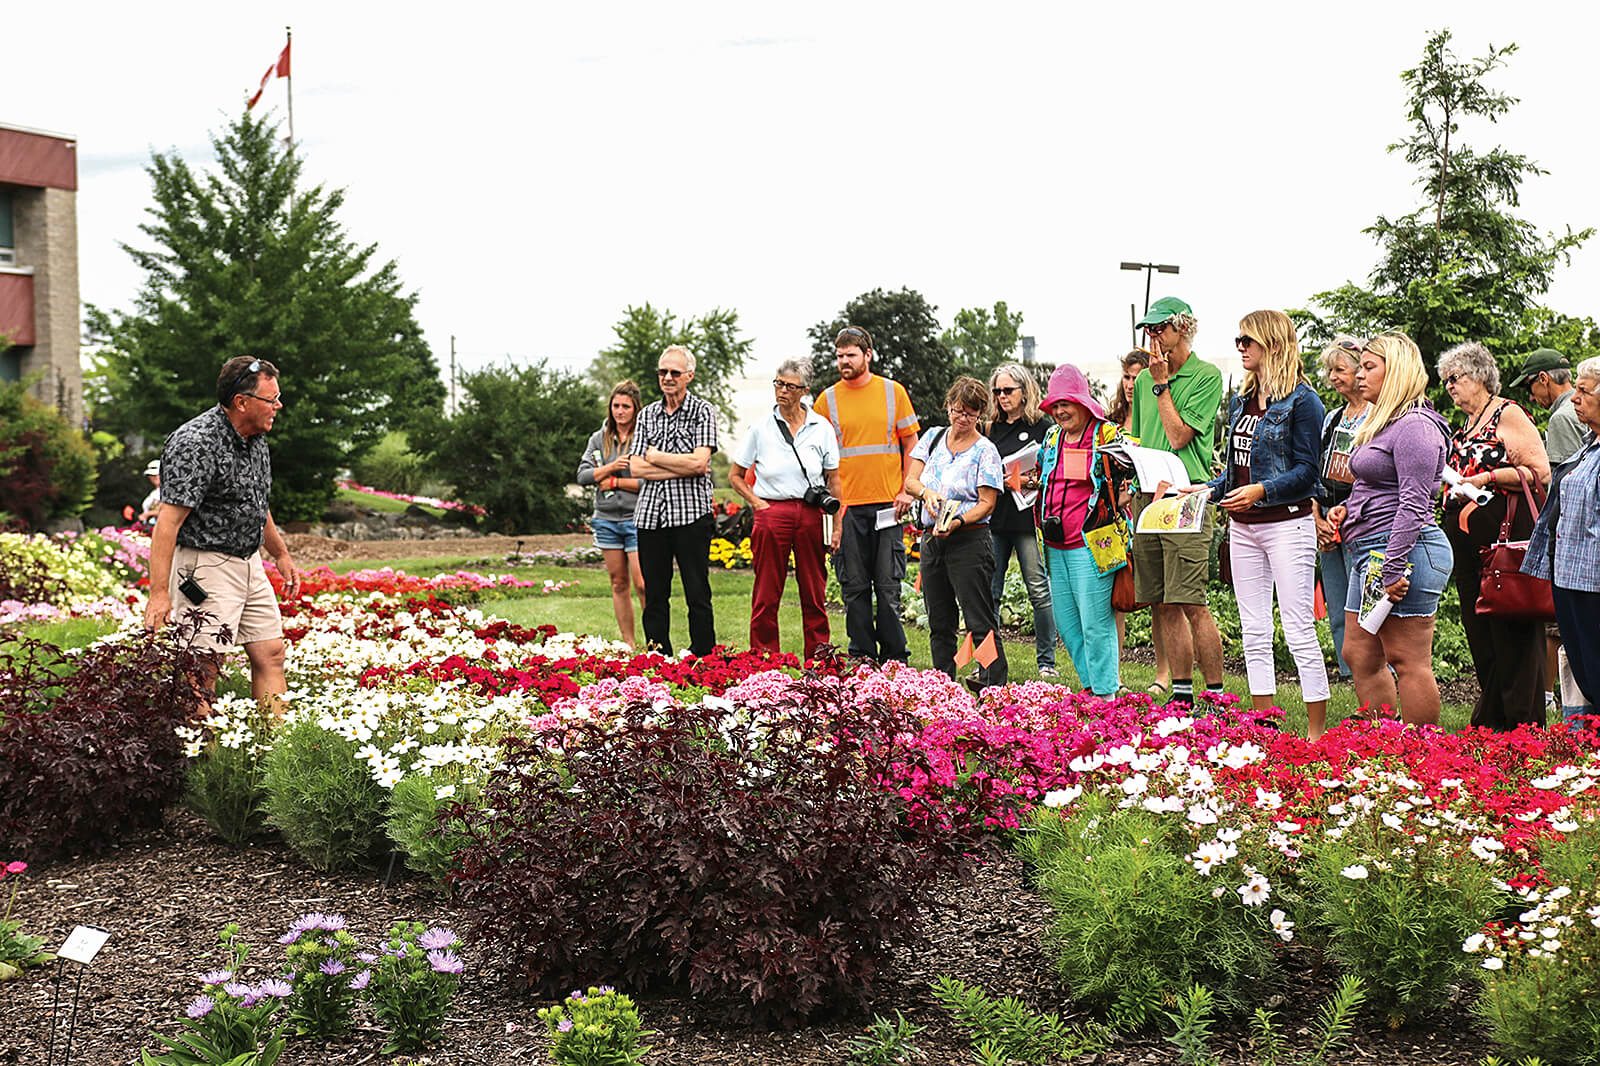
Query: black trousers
point(690, 546)
point(1508, 655)
point(959, 570)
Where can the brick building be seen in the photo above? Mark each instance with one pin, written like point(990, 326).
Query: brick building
point(39, 312)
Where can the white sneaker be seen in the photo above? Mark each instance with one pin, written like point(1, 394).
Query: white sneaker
point(1049, 671)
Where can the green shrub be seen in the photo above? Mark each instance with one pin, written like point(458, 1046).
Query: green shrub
point(597, 1028)
point(391, 466)
point(1396, 911)
point(46, 467)
point(322, 799)
point(414, 823)
point(226, 788)
point(1135, 923)
point(1007, 1031)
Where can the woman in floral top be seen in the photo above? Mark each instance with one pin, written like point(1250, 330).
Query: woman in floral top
point(1508, 654)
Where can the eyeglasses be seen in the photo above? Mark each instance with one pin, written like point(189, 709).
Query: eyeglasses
point(787, 386)
point(270, 401)
point(961, 413)
point(666, 373)
point(1002, 390)
point(1244, 341)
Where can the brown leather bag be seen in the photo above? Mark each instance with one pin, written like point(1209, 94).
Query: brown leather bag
point(1504, 591)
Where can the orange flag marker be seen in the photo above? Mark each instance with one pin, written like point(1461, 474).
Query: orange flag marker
point(964, 653)
point(986, 653)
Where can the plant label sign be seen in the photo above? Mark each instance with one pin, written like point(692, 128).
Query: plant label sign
point(83, 944)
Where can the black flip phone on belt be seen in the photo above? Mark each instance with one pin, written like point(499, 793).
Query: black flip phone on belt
point(191, 588)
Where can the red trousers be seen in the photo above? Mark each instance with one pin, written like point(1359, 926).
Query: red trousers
point(785, 526)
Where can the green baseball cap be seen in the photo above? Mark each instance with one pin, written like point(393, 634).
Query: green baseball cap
point(1541, 360)
point(1164, 309)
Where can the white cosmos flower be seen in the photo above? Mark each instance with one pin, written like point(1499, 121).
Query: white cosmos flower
point(1281, 925)
point(444, 792)
point(1357, 872)
point(1122, 753)
point(1135, 785)
point(1474, 943)
point(1268, 801)
point(1083, 764)
point(1390, 820)
point(1229, 835)
point(1493, 962)
point(1061, 797)
point(1255, 891)
point(1200, 814)
point(1168, 726)
point(1163, 804)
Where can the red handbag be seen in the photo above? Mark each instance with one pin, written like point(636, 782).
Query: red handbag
point(1504, 591)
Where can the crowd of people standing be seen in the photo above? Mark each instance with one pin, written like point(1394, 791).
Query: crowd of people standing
point(1344, 500)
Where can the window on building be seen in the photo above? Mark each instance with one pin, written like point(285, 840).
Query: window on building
point(8, 255)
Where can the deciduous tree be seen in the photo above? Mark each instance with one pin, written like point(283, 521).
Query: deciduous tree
point(906, 347)
point(719, 352)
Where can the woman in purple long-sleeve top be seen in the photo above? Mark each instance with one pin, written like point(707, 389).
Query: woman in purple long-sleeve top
point(1399, 455)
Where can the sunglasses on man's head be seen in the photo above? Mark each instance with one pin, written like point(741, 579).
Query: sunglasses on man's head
point(853, 331)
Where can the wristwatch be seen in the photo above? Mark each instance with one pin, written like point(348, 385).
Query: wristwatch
point(1159, 387)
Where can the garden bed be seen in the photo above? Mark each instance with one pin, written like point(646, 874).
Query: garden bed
point(165, 896)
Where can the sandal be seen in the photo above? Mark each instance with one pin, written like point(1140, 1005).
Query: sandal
point(1157, 691)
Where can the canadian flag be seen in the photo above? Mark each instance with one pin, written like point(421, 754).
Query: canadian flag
point(280, 67)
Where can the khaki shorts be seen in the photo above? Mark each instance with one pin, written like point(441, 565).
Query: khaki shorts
point(238, 596)
point(1171, 567)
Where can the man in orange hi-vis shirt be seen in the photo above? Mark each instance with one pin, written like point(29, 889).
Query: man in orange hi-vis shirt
point(877, 428)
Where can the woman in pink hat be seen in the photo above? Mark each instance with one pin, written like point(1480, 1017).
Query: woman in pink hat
point(1085, 534)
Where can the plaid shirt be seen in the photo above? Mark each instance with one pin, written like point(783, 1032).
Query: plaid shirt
point(674, 501)
point(1569, 555)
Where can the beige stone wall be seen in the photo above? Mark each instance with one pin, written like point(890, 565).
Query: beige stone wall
point(46, 222)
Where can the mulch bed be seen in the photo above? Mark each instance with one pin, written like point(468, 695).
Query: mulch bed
point(164, 897)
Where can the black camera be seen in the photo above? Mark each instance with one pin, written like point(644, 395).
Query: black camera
point(817, 496)
point(1050, 525)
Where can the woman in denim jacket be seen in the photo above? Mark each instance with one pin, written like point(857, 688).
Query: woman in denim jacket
point(1266, 485)
point(1077, 498)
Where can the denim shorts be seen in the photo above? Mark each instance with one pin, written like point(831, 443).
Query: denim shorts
point(1431, 560)
point(615, 536)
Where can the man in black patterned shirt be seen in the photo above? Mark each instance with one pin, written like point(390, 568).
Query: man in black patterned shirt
point(672, 444)
point(206, 552)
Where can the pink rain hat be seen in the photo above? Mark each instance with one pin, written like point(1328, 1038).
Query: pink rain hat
point(1068, 383)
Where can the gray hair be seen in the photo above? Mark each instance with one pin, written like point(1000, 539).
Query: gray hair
point(1338, 351)
point(1186, 325)
point(1030, 391)
point(1474, 361)
point(1589, 368)
point(799, 368)
point(1560, 376)
point(678, 349)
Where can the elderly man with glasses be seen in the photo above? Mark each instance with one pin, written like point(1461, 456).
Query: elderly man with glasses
point(673, 440)
point(205, 554)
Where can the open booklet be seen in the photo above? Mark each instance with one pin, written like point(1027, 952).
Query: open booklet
point(1018, 465)
point(1375, 603)
point(1158, 472)
point(1174, 514)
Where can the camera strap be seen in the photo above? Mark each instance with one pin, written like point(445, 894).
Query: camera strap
point(783, 427)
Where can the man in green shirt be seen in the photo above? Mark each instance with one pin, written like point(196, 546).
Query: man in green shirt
point(1175, 403)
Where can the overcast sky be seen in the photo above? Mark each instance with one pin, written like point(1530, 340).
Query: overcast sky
point(534, 170)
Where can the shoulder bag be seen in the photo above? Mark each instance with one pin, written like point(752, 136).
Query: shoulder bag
point(1504, 591)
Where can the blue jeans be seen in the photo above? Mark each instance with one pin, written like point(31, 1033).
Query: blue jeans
point(1026, 547)
point(1335, 588)
point(1081, 598)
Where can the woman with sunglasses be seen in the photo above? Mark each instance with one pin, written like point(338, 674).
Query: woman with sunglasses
point(1340, 361)
point(1399, 455)
point(605, 466)
point(960, 467)
point(1017, 425)
point(1266, 485)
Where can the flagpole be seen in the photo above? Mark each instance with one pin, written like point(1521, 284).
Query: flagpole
point(288, 35)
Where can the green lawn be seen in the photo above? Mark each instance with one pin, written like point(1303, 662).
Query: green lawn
point(382, 503)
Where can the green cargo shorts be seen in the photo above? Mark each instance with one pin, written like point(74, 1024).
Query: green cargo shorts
point(1171, 567)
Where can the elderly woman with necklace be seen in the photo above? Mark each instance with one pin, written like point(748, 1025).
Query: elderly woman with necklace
point(956, 475)
point(1498, 437)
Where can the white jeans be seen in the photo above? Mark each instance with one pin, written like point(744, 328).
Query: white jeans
point(1281, 556)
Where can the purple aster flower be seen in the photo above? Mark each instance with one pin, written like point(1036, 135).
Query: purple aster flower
point(437, 939)
point(290, 937)
point(201, 1007)
point(606, 990)
point(564, 1025)
point(275, 986)
point(367, 957)
point(359, 981)
point(236, 989)
point(577, 996)
point(332, 967)
point(330, 923)
point(251, 1000)
point(445, 962)
point(216, 977)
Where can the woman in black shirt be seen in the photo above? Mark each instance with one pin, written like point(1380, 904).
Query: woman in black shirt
point(1018, 428)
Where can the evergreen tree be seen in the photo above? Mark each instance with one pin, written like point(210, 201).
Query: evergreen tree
point(906, 347)
point(1461, 266)
point(246, 263)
